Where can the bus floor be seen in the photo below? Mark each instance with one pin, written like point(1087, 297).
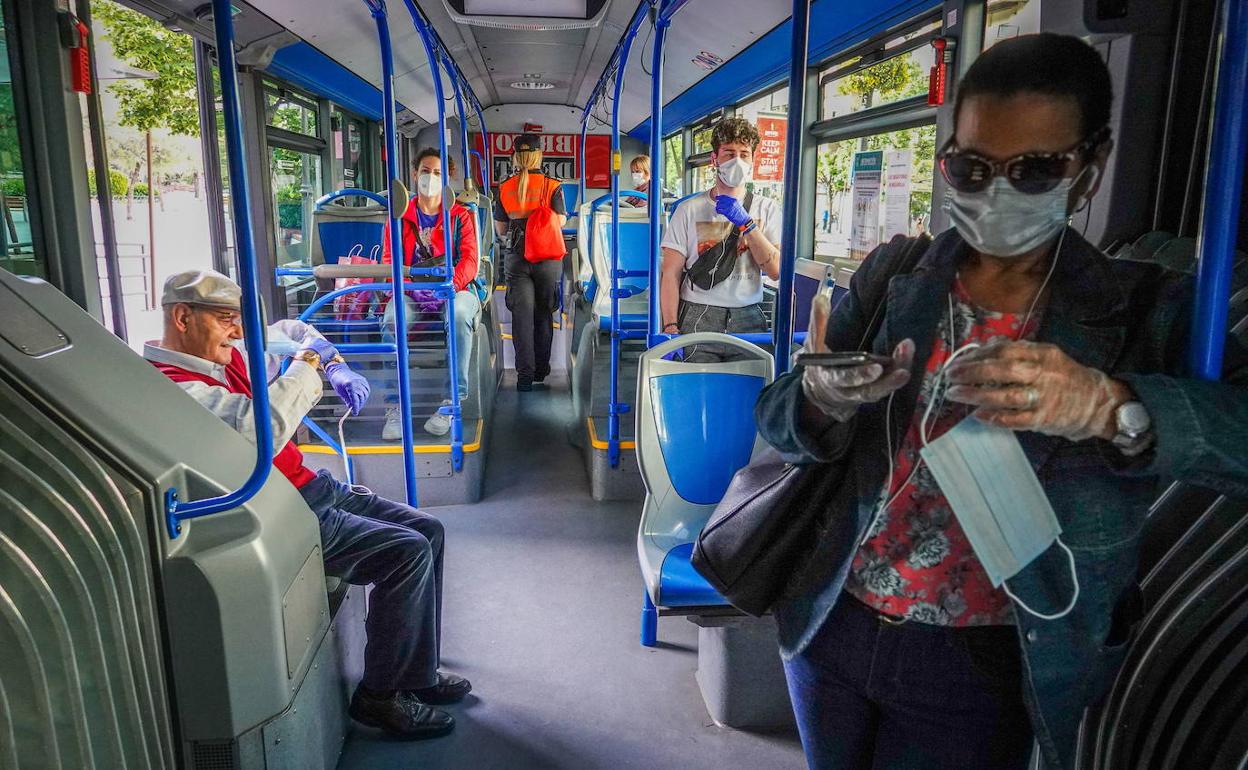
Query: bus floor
point(541, 612)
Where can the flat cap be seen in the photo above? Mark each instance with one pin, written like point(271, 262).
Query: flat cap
point(202, 287)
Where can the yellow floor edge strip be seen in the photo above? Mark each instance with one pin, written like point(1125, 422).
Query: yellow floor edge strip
point(387, 449)
point(598, 444)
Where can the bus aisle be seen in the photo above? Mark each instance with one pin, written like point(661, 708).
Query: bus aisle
point(541, 615)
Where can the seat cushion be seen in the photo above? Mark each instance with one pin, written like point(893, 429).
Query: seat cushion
point(680, 585)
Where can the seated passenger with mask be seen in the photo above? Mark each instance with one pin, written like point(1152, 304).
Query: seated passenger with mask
point(998, 462)
point(366, 539)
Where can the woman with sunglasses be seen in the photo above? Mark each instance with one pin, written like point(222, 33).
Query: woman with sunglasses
point(901, 648)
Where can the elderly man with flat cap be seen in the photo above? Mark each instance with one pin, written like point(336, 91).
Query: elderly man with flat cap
point(366, 539)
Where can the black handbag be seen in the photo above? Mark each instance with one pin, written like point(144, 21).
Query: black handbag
point(769, 518)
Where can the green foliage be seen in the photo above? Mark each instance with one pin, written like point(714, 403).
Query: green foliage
point(15, 186)
point(140, 189)
point(167, 100)
point(118, 184)
point(290, 215)
point(888, 81)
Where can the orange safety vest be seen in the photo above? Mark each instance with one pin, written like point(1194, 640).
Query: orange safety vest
point(541, 189)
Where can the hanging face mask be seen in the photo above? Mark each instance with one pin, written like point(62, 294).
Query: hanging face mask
point(428, 184)
point(992, 489)
point(735, 172)
point(1004, 222)
point(639, 179)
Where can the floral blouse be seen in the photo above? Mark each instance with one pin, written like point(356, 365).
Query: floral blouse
point(917, 562)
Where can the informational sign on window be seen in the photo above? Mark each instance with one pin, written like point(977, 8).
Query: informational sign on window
point(561, 156)
point(897, 166)
point(769, 160)
point(864, 223)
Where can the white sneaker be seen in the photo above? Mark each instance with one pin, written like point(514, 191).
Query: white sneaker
point(393, 429)
point(439, 424)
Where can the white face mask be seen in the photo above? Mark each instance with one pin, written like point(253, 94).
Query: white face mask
point(639, 179)
point(428, 184)
point(992, 489)
point(735, 172)
point(1004, 222)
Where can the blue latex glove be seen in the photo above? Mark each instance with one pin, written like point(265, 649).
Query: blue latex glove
point(352, 388)
point(322, 347)
point(731, 208)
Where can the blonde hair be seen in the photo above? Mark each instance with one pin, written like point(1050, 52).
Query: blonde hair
point(527, 160)
point(641, 163)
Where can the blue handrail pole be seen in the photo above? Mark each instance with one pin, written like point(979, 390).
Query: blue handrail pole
point(253, 329)
point(616, 408)
point(661, 22)
point(782, 325)
point(584, 182)
point(431, 51)
point(396, 208)
point(1224, 175)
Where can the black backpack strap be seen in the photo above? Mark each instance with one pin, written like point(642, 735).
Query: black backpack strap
point(719, 261)
point(899, 256)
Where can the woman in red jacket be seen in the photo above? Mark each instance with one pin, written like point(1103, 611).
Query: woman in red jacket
point(424, 246)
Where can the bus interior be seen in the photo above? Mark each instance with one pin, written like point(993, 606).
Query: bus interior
point(163, 601)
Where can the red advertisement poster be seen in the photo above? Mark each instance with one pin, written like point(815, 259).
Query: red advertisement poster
point(769, 160)
point(560, 156)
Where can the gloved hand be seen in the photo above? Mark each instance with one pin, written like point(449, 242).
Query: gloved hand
point(1035, 386)
point(427, 300)
point(731, 208)
point(839, 391)
point(352, 388)
point(321, 346)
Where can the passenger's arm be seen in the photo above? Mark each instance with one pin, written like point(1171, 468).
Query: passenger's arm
point(785, 418)
point(669, 286)
point(766, 254)
point(291, 396)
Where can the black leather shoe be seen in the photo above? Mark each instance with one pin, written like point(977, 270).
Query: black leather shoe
point(449, 689)
point(400, 715)
point(541, 375)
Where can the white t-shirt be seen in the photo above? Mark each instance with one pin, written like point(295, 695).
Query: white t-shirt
point(695, 227)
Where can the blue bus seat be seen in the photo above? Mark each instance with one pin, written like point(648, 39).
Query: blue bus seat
point(634, 255)
point(808, 278)
point(336, 229)
point(695, 429)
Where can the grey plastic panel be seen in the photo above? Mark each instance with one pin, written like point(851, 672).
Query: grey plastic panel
point(221, 583)
point(26, 329)
point(740, 674)
point(304, 612)
point(81, 681)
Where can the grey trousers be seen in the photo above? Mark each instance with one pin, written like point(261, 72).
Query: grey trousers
point(693, 317)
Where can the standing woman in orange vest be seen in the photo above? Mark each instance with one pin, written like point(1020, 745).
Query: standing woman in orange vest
point(532, 281)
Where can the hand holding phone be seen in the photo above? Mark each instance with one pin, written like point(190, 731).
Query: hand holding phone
point(838, 382)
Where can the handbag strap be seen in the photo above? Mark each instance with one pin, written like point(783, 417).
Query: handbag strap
point(901, 261)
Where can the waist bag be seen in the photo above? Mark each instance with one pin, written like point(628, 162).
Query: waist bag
point(719, 261)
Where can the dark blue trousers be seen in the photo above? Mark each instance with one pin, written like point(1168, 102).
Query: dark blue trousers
point(368, 539)
point(873, 695)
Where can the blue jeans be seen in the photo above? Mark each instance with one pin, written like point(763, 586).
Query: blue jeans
point(397, 549)
point(467, 314)
point(871, 695)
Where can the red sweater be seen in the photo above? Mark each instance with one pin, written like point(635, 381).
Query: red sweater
point(289, 460)
point(465, 264)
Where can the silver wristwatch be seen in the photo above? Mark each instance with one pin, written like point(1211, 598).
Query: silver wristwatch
point(1135, 428)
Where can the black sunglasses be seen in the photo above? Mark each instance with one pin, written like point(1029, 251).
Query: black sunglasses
point(1030, 173)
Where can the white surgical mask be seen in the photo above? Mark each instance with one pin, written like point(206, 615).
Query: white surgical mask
point(1004, 222)
point(735, 172)
point(992, 489)
point(639, 179)
point(428, 184)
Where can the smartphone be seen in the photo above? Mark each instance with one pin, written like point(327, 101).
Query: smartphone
point(843, 358)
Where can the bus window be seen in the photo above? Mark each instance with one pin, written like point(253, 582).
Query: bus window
point(17, 252)
point(350, 156)
point(674, 164)
point(899, 77)
point(1010, 18)
point(701, 140)
point(296, 150)
point(703, 177)
point(769, 114)
point(872, 188)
